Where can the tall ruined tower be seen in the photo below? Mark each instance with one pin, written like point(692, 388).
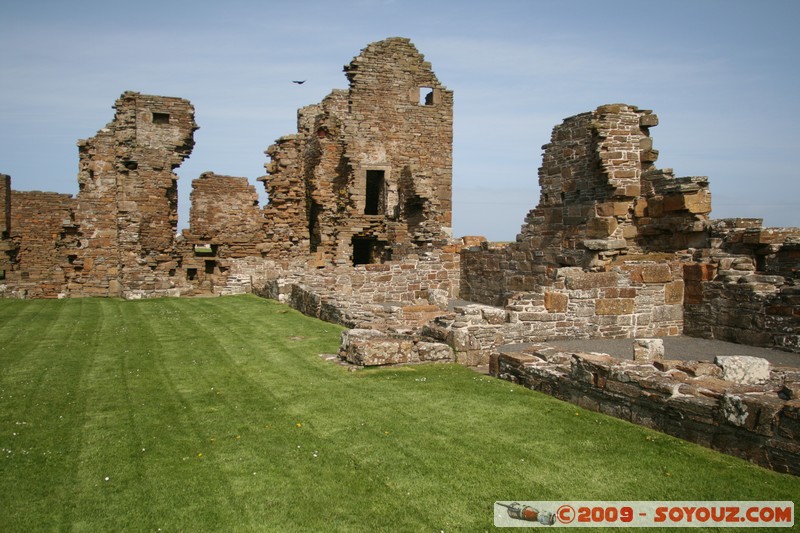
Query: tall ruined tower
point(368, 176)
point(127, 204)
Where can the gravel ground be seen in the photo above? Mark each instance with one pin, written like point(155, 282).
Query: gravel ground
point(683, 348)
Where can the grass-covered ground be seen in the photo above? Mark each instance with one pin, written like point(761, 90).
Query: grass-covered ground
point(219, 415)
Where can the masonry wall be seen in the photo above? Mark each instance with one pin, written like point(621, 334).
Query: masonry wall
point(402, 295)
point(747, 288)
point(127, 203)
point(225, 214)
point(636, 298)
point(43, 231)
point(602, 199)
point(687, 400)
point(367, 177)
point(7, 247)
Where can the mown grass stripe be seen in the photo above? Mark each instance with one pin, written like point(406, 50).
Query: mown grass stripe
point(413, 448)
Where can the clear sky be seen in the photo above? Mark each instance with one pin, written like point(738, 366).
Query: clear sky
point(723, 76)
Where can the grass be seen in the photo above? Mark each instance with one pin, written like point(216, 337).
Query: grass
point(219, 415)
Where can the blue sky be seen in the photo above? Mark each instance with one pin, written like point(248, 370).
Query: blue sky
point(723, 76)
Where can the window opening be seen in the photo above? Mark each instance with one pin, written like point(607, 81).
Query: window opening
point(160, 118)
point(426, 96)
point(370, 250)
point(362, 250)
point(191, 274)
point(314, 232)
point(210, 266)
point(376, 185)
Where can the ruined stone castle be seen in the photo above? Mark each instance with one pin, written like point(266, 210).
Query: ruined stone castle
point(357, 230)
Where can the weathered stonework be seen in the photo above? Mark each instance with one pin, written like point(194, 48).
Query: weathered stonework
point(758, 422)
point(368, 347)
point(744, 288)
point(45, 236)
point(602, 199)
point(367, 177)
point(356, 231)
point(8, 249)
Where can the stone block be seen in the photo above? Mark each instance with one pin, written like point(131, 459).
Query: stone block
point(668, 313)
point(493, 315)
point(660, 273)
point(600, 227)
point(673, 292)
point(630, 232)
point(698, 203)
point(605, 244)
point(648, 120)
point(556, 302)
point(614, 306)
point(699, 272)
point(578, 280)
point(648, 350)
point(433, 351)
point(743, 369)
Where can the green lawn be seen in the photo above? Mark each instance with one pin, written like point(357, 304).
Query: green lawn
point(219, 415)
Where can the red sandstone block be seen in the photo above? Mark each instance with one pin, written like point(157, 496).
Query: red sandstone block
point(699, 272)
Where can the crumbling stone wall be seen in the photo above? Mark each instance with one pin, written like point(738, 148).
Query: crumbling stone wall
point(127, 204)
point(225, 214)
point(43, 231)
point(638, 297)
point(7, 247)
point(603, 253)
point(117, 237)
point(367, 177)
point(398, 295)
point(746, 288)
point(225, 222)
point(601, 198)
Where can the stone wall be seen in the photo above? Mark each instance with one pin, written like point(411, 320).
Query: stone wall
point(367, 177)
point(746, 288)
point(7, 247)
point(640, 297)
point(392, 296)
point(127, 203)
point(44, 233)
point(601, 199)
point(225, 215)
point(758, 421)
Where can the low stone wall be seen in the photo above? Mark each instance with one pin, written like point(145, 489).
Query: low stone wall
point(367, 347)
point(634, 299)
point(392, 296)
point(689, 400)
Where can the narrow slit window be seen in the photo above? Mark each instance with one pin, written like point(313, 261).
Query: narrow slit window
point(160, 118)
point(375, 203)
